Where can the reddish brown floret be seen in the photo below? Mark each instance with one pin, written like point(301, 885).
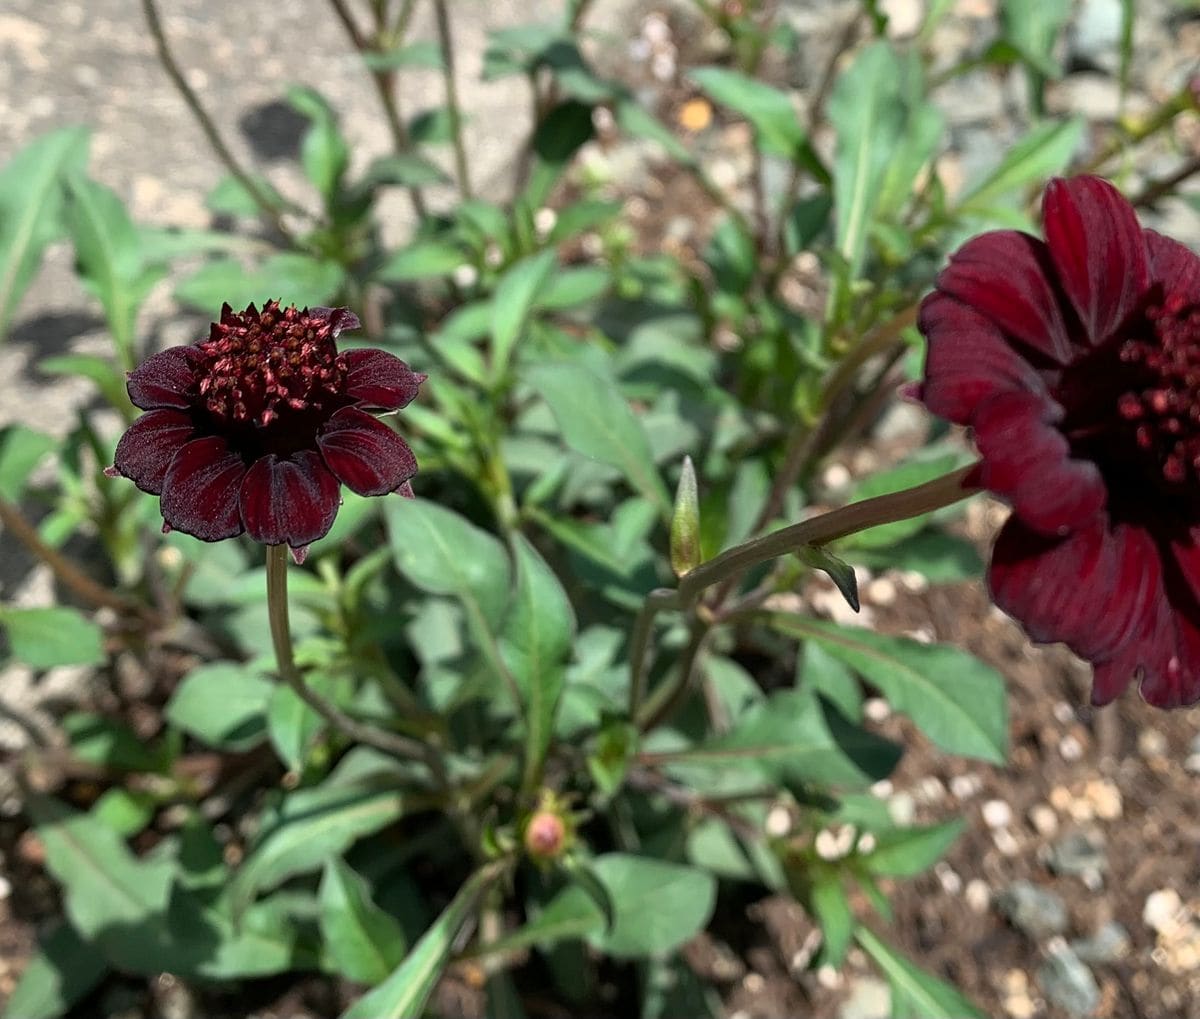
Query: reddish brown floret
point(1076, 362)
point(256, 428)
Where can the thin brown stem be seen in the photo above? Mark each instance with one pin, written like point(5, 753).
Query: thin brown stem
point(65, 569)
point(384, 82)
point(446, 42)
point(1156, 190)
point(262, 199)
point(668, 697)
point(281, 638)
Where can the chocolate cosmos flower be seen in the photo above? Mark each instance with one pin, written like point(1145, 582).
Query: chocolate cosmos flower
point(256, 428)
point(1076, 362)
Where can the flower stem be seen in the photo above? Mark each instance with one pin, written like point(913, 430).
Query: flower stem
point(64, 569)
point(818, 530)
point(446, 42)
point(281, 638)
point(261, 198)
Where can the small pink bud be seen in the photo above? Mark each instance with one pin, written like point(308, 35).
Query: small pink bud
point(545, 835)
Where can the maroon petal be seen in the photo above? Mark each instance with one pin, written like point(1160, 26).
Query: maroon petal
point(200, 491)
point(1008, 276)
point(1173, 265)
point(1092, 590)
point(339, 319)
point(365, 454)
point(968, 360)
point(292, 501)
point(379, 380)
point(165, 379)
point(1028, 461)
point(148, 445)
point(1099, 250)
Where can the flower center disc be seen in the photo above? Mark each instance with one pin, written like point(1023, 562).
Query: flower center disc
point(1164, 410)
point(257, 366)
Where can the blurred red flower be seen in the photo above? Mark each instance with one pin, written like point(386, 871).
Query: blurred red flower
point(1076, 363)
point(256, 428)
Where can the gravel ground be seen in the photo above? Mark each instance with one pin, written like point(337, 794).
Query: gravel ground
point(1106, 784)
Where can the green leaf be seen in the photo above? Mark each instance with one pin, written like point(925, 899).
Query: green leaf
point(767, 108)
point(110, 742)
point(231, 198)
point(569, 288)
point(443, 553)
point(841, 573)
point(1031, 27)
point(516, 296)
point(1043, 152)
point(956, 700)
point(364, 942)
point(125, 811)
point(915, 993)
point(109, 259)
point(31, 200)
point(866, 109)
point(597, 422)
point(403, 994)
point(537, 638)
point(407, 169)
point(312, 826)
point(561, 133)
point(792, 738)
point(223, 705)
point(45, 638)
point(806, 221)
point(906, 852)
point(421, 260)
point(424, 54)
point(112, 898)
point(109, 379)
point(657, 905)
point(324, 151)
point(288, 278)
point(292, 724)
point(21, 450)
point(830, 905)
point(63, 971)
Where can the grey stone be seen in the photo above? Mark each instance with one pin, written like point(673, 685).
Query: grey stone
point(1036, 911)
point(1068, 983)
point(1095, 34)
point(1079, 853)
point(1108, 944)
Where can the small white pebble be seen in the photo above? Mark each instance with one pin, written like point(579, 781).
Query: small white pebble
point(922, 634)
point(882, 789)
point(5, 888)
point(1191, 763)
point(829, 977)
point(465, 275)
point(544, 220)
point(656, 29)
point(602, 119)
point(1105, 798)
point(1151, 743)
point(1163, 910)
point(754, 982)
point(965, 786)
point(997, 814)
point(778, 822)
point(948, 878)
point(493, 254)
point(1081, 811)
point(866, 844)
point(1092, 880)
point(914, 581)
point(1063, 712)
point(663, 64)
point(881, 591)
point(1070, 748)
point(592, 244)
point(1006, 842)
point(978, 895)
point(826, 845)
point(836, 476)
point(1044, 819)
point(877, 709)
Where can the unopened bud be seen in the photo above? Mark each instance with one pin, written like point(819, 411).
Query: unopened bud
point(685, 522)
point(545, 835)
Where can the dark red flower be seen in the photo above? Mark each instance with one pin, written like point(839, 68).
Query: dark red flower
point(256, 428)
point(1076, 362)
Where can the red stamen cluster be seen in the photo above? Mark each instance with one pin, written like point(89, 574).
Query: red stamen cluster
point(254, 364)
point(1165, 413)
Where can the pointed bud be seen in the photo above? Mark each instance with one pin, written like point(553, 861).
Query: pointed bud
point(839, 571)
point(685, 522)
